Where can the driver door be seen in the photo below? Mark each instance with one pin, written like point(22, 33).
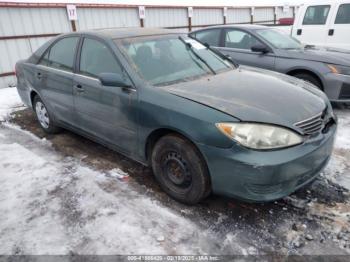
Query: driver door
point(238, 43)
point(106, 112)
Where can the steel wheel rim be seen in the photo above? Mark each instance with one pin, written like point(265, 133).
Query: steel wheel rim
point(175, 169)
point(42, 115)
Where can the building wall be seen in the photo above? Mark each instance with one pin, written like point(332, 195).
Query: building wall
point(23, 27)
point(238, 15)
point(94, 18)
point(206, 16)
point(165, 17)
point(264, 15)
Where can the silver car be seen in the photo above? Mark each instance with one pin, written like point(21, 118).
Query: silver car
point(269, 48)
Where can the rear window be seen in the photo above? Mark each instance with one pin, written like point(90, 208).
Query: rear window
point(316, 15)
point(343, 15)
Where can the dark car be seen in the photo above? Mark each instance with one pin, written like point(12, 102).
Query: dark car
point(166, 101)
point(272, 49)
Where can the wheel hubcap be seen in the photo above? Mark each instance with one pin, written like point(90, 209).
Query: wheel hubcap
point(175, 168)
point(42, 115)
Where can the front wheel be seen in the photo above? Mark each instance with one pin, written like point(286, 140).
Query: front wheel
point(43, 117)
point(309, 78)
point(180, 169)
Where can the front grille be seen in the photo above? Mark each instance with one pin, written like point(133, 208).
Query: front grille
point(312, 125)
point(345, 92)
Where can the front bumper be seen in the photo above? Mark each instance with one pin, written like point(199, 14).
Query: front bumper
point(337, 87)
point(259, 176)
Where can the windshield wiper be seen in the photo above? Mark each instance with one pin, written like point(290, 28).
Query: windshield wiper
point(221, 55)
point(309, 46)
point(218, 53)
point(291, 48)
point(189, 45)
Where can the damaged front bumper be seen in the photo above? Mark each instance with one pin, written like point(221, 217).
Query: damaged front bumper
point(261, 176)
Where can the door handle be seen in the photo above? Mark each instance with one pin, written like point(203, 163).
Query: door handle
point(331, 32)
point(128, 89)
point(299, 31)
point(39, 75)
point(79, 88)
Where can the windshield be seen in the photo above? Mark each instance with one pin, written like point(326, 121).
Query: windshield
point(165, 60)
point(279, 39)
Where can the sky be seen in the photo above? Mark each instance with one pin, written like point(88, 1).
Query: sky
point(179, 2)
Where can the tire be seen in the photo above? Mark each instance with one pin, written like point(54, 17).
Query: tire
point(43, 117)
point(309, 78)
point(180, 169)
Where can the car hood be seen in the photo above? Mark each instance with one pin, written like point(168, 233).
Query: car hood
point(257, 95)
point(320, 54)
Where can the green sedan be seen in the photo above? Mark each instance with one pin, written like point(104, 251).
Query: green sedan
point(203, 123)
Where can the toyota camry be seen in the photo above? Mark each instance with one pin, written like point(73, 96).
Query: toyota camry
point(203, 123)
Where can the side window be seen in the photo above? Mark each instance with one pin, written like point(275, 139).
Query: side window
point(96, 58)
point(343, 15)
point(316, 15)
point(239, 39)
point(61, 54)
point(210, 37)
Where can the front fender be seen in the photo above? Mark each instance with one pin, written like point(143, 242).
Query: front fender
point(161, 110)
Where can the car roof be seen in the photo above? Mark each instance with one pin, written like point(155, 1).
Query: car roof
point(117, 33)
point(240, 26)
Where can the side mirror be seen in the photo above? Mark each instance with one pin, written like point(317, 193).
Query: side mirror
point(259, 48)
point(113, 79)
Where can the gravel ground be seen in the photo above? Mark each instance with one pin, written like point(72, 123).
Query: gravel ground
point(65, 194)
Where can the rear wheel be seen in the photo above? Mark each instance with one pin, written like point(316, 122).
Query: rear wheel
point(309, 78)
point(180, 169)
point(43, 117)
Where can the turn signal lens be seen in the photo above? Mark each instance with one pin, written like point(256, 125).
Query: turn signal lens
point(338, 69)
point(333, 69)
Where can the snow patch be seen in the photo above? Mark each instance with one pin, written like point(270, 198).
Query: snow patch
point(52, 204)
point(119, 174)
point(343, 136)
point(10, 101)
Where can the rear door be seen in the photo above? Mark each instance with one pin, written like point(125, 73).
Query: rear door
point(238, 43)
point(54, 78)
point(339, 29)
point(312, 25)
point(106, 112)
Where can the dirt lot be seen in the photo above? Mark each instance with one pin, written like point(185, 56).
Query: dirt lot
point(314, 220)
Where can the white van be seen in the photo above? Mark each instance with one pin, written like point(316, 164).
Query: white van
point(323, 23)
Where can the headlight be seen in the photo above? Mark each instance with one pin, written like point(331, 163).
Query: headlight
point(337, 69)
point(260, 136)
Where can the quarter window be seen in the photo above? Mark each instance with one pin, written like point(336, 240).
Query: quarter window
point(210, 37)
point(61, 54)
point(316, 15)
point(343, 15)
point(239, 39)
point(96, 58)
